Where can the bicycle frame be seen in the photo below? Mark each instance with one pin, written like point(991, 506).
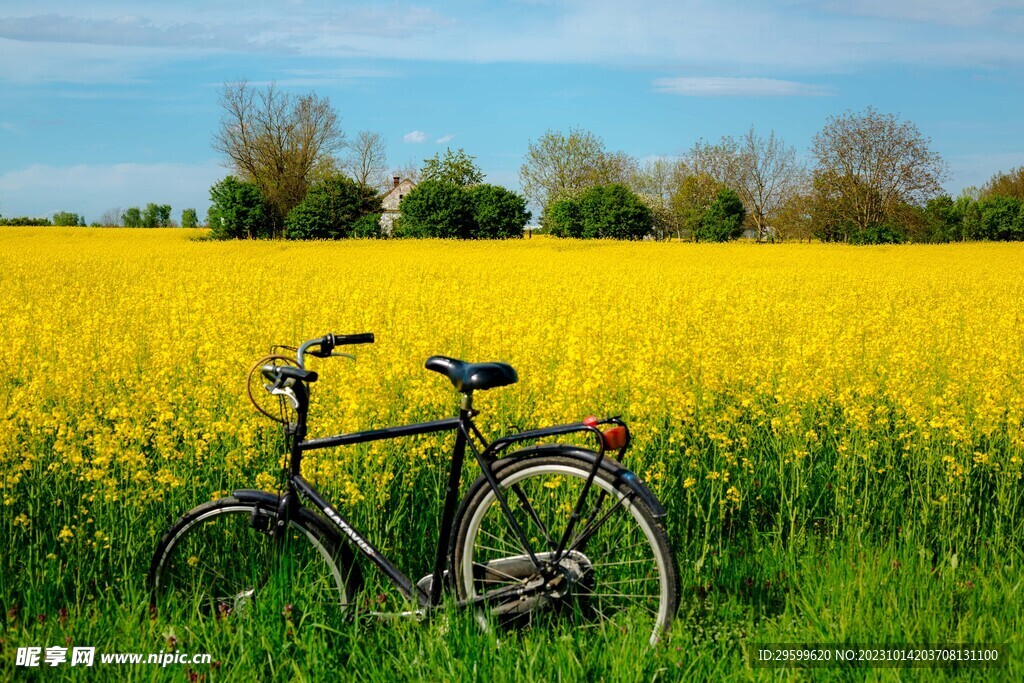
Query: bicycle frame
point(465, 430)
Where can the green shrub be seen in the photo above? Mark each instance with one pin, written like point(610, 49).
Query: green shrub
point(497, 212)
point(368, 227)
point(330, 210)
point(723, 220)
point(237, 211)
point(436, 209)
point(604, 211)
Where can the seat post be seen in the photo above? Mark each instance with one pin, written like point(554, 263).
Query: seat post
point(467, 401)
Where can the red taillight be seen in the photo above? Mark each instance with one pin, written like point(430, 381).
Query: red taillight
point(590, 421)
point(615, 438)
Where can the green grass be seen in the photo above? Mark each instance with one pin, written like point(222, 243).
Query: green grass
point(826, 549)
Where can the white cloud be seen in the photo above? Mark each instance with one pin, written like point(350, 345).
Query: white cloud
point(721, 86)
point(415, 137)
point(91, 189)
point(445, 138)
point(812, 36)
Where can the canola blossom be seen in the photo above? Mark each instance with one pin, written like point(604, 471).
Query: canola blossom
point(767, 387)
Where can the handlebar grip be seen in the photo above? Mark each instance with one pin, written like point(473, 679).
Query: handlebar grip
point(346, 339)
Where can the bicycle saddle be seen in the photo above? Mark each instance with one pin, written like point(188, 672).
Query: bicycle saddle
point(468, 377)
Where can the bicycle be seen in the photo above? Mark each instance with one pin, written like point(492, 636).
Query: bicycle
point(547, 529)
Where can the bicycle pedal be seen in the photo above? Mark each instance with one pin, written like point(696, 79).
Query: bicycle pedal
point(413, 614)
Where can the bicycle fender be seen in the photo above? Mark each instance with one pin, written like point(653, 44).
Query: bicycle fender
point(608, 464)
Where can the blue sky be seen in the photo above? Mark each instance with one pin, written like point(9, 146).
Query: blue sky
point(113, 104)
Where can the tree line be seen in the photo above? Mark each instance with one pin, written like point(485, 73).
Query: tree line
point(151, 216)
point(869, 177)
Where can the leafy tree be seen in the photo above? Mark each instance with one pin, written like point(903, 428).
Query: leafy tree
point(970, 217)
point(1009, 184)
point(66, 219)
point(368, 227)
point(25, 221)
point(237, 211)
point(189, 218)
point(604, 211)
point(330, 209)
point(436, 209)
point(693, 196)
point(279, 142)
point(132, 217)
point(156, 216)
point(367, 161)
point(457, 168)
point(557, 165)
point(1002, 218)
point(497, 212)
point(869, 165)
point(723, 219)
point(942, 219)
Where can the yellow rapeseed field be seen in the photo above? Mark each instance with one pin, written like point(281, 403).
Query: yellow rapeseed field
point(125, 353)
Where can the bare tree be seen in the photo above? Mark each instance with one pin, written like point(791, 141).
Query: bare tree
point(367, 161)
point(763, 171)
point(655, 182)
point(870, 165)
point(409, 170)
point(276, 140)
point(770, 176)
point(111, 218)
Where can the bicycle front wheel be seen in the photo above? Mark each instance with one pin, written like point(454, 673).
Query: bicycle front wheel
point(223, 559)
point(615, 567)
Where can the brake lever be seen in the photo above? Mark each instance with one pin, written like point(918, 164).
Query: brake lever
point(343, 355)
point(283, 391)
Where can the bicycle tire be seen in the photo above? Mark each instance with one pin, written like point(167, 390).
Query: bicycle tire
point(219, 558)
point(488, 555)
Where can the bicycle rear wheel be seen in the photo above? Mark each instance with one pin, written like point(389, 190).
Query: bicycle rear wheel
point(220, 559)
point(616, 568)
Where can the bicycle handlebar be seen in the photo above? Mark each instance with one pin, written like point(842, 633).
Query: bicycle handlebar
point(327, 343)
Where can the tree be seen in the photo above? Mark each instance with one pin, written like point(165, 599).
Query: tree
point(436, 209)
point(366, 161)
point(497, 213)
point(603, 211)
point(410, 170)
point(872, 164)
point(156, 216)
point(763, 171)
point(277, 141)
point(1002, 218)
point(132, 217)
point(1009, 184)
point(557, 165)
point(237, 211)
point(368, 227)
point(655, 182)
point(68, 219)
point(330, 209)
point(769, 177)
point(723, 219)
point(189, 218)
point(693, 196)
point(111, 217)
point(457, 168)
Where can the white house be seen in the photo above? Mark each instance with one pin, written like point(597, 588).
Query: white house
point(391, 201)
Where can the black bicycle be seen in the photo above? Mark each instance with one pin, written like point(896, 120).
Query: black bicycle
point(549, 529)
